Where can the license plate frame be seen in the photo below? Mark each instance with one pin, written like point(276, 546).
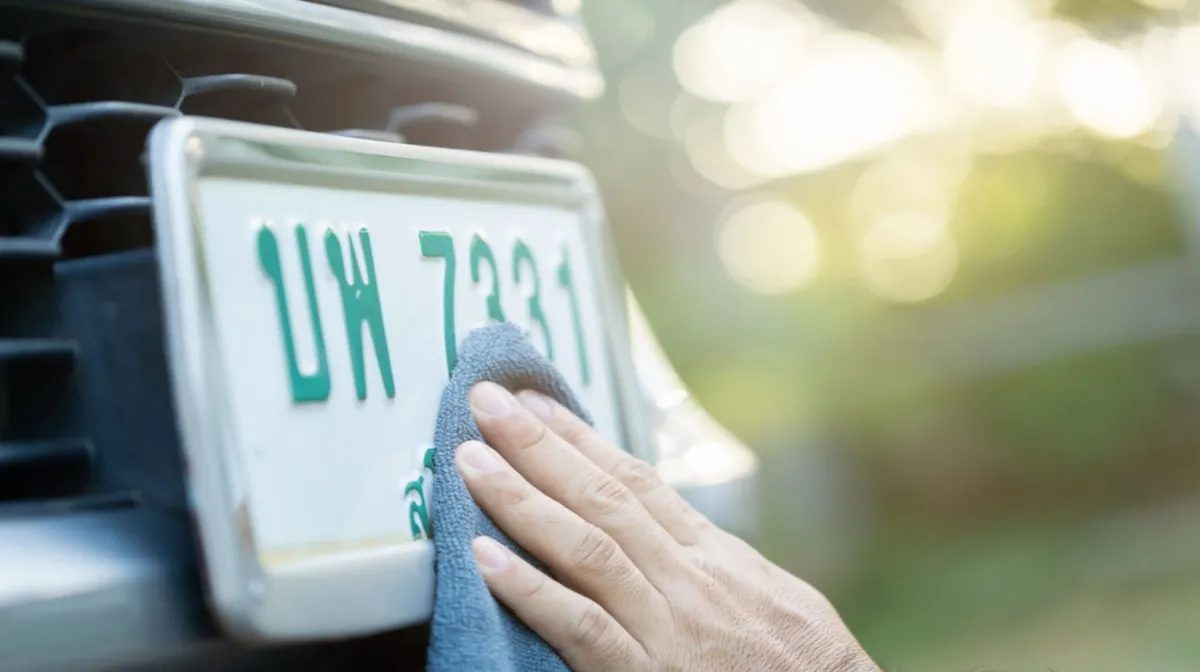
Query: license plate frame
point(338, 592)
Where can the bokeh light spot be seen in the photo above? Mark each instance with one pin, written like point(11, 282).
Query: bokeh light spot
point(927, 180)
point(856, 96)
point(1105, 90)
point(567, 7)
point(740, 49)
point(995, 56)
point(769, 246)
point(908, 257)
point(710, 157)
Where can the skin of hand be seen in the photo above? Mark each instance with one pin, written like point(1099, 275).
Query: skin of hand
point(639, 580)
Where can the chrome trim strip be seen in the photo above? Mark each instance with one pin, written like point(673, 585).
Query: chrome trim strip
point(98, 590)
point(360, 32)
point(120, 590)
point(549, 35)
point(731, 504)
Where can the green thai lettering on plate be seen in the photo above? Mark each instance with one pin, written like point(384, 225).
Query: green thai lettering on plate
point(481, 251)
point(439, 244)
point(418, 511)
point(564, 279)
point(305, 387)
point(360, 305)
point(522, 253)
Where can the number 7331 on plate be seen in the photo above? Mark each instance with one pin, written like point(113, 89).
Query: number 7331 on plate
point(363, 311)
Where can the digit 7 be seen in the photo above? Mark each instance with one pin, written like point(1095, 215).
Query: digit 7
point(440, 244)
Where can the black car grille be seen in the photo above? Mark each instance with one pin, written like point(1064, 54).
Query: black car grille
point(85, 410)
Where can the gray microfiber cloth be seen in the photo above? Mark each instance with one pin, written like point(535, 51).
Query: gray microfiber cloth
point(471, 632)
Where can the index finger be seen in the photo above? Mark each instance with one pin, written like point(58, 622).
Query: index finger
point(663, 502)
point(556, 468)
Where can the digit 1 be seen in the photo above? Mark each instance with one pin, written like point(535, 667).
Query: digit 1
point(440, 244)
point(564, 279)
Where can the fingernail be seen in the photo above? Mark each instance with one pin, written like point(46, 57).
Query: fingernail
point(489, 554)
point(479, 457)
point(491, 400)
point(537, 403)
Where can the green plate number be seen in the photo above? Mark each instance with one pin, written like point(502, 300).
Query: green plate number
point(481, 251)
point(564, 279)
point(440, 245)
point(522, 253)
point(436, 244)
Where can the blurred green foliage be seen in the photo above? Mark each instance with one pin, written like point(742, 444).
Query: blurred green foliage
point(1041, 216)
point(951, 519)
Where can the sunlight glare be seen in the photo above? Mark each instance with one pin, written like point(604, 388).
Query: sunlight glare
point(1185, 59)
point(995, 55)
point(855, 96)
point(741, 49)
point(1105, 90)
point(936, 18)
point(567, 7)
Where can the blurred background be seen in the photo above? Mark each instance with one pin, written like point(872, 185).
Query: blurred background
point(937, 262)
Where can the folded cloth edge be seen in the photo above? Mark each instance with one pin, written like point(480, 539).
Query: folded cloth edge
point(470, 630)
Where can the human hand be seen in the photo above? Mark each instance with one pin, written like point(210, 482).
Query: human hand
point(640, 580)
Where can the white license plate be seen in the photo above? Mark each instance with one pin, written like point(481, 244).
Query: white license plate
point(315, 290)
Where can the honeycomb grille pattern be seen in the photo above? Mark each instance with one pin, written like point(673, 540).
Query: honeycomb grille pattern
point(76, 104)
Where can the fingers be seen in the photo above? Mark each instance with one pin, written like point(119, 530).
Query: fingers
point(575, 550)
point(663, 502)
point(556, 468)
point(585, 635)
